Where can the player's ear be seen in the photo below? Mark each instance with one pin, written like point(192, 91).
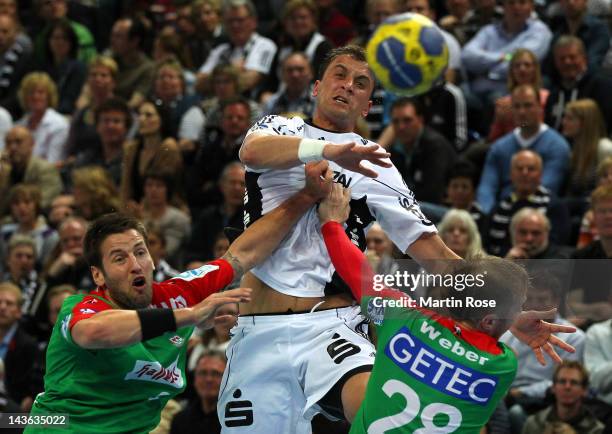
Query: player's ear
point(367, 110)
point(488, 323)
point(98, 276)
point(315, 88)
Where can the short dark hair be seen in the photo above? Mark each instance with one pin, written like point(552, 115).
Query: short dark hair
point(463, 169)
point(137, 30)
point(114, 104)
point(105, 226)
point(354, 51)
point(66, 27)
point(404, 101)
point(238, 99)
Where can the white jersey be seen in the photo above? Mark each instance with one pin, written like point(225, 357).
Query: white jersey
point(300, 266)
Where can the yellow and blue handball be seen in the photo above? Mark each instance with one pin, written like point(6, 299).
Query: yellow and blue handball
point(408, 54)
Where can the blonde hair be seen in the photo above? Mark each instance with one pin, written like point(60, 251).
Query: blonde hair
point(592, 129)
point(33, 80)
point(96, 183)
point(603, 192)
point(105, 62)
point(518, 53)
point(474, 248)
point(292, 5)
point(11, 287)
point(604, 167)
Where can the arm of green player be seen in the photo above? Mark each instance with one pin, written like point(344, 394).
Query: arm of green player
point(116, 328)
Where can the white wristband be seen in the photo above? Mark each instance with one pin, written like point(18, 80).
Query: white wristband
point(311, 150)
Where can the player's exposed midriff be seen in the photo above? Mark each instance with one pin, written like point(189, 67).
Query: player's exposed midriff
point(265, 299)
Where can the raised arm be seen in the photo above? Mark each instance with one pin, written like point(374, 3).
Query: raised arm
point(261, 150)
point(263, 236)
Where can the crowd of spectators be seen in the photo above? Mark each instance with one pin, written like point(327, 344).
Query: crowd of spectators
point(141, 107)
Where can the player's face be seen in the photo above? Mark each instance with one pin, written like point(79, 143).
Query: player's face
point(343, 94)
point(568, 388)
point(208, 375)
point(127, 270)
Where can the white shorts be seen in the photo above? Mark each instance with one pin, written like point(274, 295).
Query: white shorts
point(280, 366)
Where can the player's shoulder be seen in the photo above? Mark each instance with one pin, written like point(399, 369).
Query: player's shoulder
point(279, 125)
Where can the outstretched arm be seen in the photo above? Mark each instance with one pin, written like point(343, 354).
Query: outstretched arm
point(264, 236)
point(261, 150)
point(532, 330)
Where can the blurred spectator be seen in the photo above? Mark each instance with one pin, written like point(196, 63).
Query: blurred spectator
point(214, 218)
point(7, 405)
point(333, 24)
point(529, 233)
point(14, 63)
point(590, 296)
point(201, 414)
point(414, 143)
point(151, 151)
point(299, 21)
point(61, 208)
point(18, 350)
point(588, 231)
point(95, 194)
point(380, 250)
point(113, 120)
point(220, 245)
point(62, 65)
point(531, 134)
point(206, 14)
point(20, 166)
point(598, 359)
point(207, 114)
point(529, 387)
point(461, 191)
point(174, 224)
point(6, 123)
point(572, 80)
point(250, 52)
point(9, 7)
point(578, 22)
point(21, 271)
point(27, 219)
point(524, 69)
point(482, 13)
point(169, 47)
point(568, 414)
point(458, 13)
point(100, 87)
point(156, 243)
point(136, 70)
point(295, 92)
point(527, 191)
point(38, 97)
point(460, 233)
point(585, 129)
point(67, 264)
point(169, 92)
point(51, 11)
point(453, 70)
point(487, 56)
point(219, 148)
point(54, 299)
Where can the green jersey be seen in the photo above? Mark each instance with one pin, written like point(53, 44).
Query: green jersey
point(431, 374)
point(121, 390)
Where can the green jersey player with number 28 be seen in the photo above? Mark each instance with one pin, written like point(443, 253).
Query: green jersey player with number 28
point(433, 372)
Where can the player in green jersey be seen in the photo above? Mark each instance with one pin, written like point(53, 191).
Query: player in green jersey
point(117, 354)
point(437, 372)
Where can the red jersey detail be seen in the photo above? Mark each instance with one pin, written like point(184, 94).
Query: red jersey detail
point(89, 306)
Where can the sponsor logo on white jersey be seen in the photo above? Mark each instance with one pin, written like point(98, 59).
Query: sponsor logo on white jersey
point(146, 370)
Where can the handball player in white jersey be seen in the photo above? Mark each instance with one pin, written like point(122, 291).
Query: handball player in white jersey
point(297, 350)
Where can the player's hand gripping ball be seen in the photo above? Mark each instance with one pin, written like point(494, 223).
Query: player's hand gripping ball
point(408, 54)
